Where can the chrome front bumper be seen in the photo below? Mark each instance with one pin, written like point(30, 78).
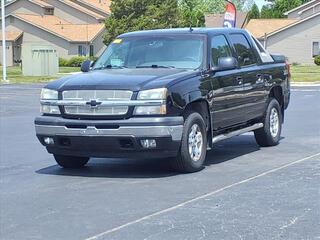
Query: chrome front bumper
point(110, 138)
point(136, 127)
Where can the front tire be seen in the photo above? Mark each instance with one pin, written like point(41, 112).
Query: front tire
point(270, 134)
point(70, 161)
point(193, 145)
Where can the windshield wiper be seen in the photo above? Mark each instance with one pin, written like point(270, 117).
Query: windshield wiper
point(109, 66)
point(154, 66)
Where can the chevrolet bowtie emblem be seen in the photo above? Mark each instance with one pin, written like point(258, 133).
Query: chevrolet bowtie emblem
point(94, 103)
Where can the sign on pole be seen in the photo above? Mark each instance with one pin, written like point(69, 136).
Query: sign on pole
point(230, 16)
point(4, 46)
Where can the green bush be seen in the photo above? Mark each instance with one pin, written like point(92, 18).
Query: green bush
point(76, 61)
point(63, 62)
point(93, 58)
point(317, 60)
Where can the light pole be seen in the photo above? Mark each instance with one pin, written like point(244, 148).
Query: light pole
point(4, 47)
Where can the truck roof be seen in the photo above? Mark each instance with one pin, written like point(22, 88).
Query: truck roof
point(179, 31)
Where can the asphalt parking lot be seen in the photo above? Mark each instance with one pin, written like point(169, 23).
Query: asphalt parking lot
point(245, 192)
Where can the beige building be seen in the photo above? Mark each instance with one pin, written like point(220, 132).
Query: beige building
point(297, 37)
point(216, 20)
point(71, 27)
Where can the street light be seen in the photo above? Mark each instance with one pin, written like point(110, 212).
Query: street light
point(4, 46)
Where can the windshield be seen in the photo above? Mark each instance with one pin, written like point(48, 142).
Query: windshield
point(154, 52)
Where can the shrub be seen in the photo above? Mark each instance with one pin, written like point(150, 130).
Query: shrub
point(317, 60)
point(93, 58)
point(63, 62)
point(76, 61)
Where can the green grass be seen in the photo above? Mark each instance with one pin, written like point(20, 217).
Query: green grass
point(300, 73)
point(305, 73)
point(69, 69)
point(14, 75)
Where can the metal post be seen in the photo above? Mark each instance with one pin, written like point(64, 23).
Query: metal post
point(265, 44)
point(4, 47)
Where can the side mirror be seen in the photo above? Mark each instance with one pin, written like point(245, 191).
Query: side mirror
point(226, 63)
point(86, 66)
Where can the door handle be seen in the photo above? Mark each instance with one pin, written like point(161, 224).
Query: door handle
point(260, 79)
point(239, 80)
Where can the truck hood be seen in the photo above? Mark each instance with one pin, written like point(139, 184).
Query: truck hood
point(121, 79)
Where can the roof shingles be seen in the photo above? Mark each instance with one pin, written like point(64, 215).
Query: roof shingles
point(62, 28)
point(83, 9)
point(102, 5)
point(259, 27)
point(12, 36)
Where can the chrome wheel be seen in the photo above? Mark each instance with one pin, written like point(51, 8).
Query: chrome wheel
point(195, 141)
point(274, 122)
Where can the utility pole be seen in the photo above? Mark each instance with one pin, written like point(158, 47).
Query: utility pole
point(4, 46)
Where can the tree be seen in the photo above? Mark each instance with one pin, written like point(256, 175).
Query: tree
point(218, 6)
point(254, 13)
point(191, 13)
point(134, 15)
point(279, 7)
point(266, 12)
point(282, 6)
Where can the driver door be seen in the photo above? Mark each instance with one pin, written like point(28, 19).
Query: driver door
point(227, 88)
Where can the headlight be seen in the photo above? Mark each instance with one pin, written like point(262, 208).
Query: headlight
point(153, 94)
point(48, 94)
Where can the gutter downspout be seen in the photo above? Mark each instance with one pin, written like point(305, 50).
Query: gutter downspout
point(4, 46)
point(265, 44)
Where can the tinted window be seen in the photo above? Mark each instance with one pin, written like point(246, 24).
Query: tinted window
point(245, 53)
point(219, 48)
point(185, 52)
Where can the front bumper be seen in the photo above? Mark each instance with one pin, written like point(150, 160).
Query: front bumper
point(111, 138)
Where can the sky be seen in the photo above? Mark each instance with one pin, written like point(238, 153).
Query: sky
point(260, 3)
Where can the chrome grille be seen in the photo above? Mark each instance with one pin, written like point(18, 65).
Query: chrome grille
point(98, 95)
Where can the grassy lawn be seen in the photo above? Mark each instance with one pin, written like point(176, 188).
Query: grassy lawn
point(300, 73)
point(14, 75)
point(305, 73)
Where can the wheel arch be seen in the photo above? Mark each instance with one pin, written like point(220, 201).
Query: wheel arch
point(277, 93)
point(201, 106)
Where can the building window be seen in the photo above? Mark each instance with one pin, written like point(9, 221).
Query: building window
point(82, 50)
point(48, 11)
point(315, 49)
point(91, 51)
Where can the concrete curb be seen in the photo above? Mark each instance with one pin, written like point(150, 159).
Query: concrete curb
point(305, 84)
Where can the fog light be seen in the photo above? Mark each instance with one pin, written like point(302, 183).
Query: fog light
point(48, 140)
point(148, 143)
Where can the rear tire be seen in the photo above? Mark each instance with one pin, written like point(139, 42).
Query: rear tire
point(193, 145)
point(270, 134)
point(70, 161)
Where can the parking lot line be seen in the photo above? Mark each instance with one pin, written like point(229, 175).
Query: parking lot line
point(103, 234)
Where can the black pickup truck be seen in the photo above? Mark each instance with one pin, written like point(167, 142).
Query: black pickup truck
point(166, 94)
